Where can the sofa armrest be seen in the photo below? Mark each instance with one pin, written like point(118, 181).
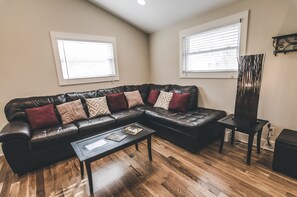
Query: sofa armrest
point(15, 130)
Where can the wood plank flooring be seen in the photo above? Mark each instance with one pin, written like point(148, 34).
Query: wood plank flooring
point(173, 172)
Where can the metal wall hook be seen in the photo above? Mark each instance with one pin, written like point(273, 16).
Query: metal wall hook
point(285, 43)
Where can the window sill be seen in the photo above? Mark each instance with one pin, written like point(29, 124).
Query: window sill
point(65, 82)
point(209, 75)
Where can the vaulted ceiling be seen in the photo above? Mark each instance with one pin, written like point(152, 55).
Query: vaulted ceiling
point(159, 14)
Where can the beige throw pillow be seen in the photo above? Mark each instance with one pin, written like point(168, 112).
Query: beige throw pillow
point(133, 98)
point(163, 100)
point(71, 111)
point(97, 106)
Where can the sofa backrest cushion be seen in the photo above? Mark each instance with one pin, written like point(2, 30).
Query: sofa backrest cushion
point(192, 90)
point(143, 89)
point(107, 91)
point(73, 96)
point(165, 88)
point(15, 109)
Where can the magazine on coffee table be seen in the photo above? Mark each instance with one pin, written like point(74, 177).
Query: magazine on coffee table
point(96, 144)
point(116, 137)
point(132, 130)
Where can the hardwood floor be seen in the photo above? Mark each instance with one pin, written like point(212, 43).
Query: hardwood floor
point(173, 172)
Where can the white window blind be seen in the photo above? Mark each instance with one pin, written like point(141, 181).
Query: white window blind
point(215, 50)
point(86, 59)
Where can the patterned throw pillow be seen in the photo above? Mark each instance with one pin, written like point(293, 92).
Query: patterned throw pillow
point(97, 106)
point(71, 111)
point(133, 98)
point(164, 100)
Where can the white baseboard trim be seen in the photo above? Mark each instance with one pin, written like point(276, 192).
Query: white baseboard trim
point(242, 137)
point(1, 152)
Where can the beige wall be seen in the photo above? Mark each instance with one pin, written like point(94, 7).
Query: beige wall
point(27, 65)
point(278, 99)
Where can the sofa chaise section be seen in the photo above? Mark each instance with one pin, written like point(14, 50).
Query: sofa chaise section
point(192, 130)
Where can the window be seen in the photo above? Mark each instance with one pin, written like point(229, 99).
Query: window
point(84, 58)
point(211, 50)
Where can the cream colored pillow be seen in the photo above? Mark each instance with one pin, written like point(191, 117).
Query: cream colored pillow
point(71, 111)
point(133, 98)
point(97, 106)
point(163, 100)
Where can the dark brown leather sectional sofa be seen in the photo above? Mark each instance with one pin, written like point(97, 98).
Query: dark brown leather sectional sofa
point(26, 150)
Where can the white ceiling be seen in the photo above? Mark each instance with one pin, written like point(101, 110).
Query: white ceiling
point(159, 14)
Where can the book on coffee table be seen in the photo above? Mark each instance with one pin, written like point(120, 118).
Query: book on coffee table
point(132, 130)
point(116, 137)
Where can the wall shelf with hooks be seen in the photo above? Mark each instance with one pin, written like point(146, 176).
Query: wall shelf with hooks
point(285, 43)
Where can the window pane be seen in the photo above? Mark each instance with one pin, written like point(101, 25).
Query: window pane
point(212, 50)
point(84, 59)
point(222, 60)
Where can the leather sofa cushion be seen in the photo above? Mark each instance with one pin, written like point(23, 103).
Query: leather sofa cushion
point(144, 107)
point(165, 88)
point(127, 116)
point(15, 130)
point(94, 125)
point(104, 92)
point(73, 96)
point(190, 122)
point(52, 136)
point(143, 89)
point(15, 109)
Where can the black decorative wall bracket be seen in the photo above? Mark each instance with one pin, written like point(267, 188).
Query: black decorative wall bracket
point(285, 43)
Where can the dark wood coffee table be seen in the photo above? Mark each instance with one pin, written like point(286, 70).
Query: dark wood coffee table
point(88, 156)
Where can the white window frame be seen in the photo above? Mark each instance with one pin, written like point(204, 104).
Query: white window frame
point(239, 17)
point(82, 37)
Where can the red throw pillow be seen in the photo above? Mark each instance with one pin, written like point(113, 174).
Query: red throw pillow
point(179, 102)
point(42, 117)
point(117, 102)
point(153, 97)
